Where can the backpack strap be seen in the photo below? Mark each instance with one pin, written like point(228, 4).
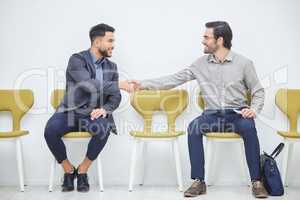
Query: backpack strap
point(277, 151)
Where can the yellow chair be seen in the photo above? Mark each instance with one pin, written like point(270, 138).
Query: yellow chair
point(222, 137)
point(288, 101)
point(56, 98)
point(146, 102)
point(18, 102)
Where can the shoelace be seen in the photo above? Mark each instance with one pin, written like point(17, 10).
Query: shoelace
point(195, 184)
point(67, 180)
point(83, 179)
point(257, 184)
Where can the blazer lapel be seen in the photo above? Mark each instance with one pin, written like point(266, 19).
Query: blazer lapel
point(87, 57)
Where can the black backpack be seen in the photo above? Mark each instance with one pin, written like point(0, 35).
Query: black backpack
point(270, 174)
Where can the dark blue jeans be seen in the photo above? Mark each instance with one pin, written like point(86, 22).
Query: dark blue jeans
point(223, 122)
point(62, 123)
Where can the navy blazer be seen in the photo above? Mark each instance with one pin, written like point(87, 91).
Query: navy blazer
point(84, 92)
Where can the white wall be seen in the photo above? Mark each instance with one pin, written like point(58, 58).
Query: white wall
point(153, 38)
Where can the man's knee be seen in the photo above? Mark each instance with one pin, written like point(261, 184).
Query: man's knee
point(53, 129)
point(192, 127)
point(247, 127)
point(99, 127)
point(50, 131)
point(196, 127)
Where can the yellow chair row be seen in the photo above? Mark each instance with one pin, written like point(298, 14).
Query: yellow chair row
point(18, 102)
point(171, 102)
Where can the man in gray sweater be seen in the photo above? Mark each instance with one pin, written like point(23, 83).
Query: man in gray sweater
point(224, 78)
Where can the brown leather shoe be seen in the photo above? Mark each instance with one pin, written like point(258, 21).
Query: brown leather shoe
point(197, 188)
point(258, 190)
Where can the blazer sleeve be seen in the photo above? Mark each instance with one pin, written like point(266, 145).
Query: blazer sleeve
point(78, 72)
point(114, 99)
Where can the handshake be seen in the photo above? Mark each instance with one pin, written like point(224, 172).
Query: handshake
point(129, 85)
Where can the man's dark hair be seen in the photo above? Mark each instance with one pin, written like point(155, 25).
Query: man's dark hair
point(221, 29)
point(99, 30)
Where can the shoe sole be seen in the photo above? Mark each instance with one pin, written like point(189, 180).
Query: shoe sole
point(194, 195)
point(68, 190)
point(261, 197)
point(83, 191)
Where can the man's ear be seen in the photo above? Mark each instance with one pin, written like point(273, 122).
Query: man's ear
point(98, 40)
point(220, 41)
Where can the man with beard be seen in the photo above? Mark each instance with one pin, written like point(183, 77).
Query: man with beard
point(224, 78)
point(92, 94)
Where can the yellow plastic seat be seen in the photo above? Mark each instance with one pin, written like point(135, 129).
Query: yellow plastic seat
point(18, 102)
point(142, 134)
point(56, 98)
point(77, 135)
point(13, 134)
point(213, 137)
point(289, 134)
point(146, 102)
point(288, 101)
point(171, 102)
point(221, 135)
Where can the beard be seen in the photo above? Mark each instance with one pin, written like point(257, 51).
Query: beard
point(104, 52)
point(206, 51)
point(210, 50)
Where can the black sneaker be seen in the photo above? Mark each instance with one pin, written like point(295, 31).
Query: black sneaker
point(82, 183)
point(68, 183)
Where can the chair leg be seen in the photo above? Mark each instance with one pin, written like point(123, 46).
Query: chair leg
point(20, 163)
point(284, 161)
point(207, 158)
point(99, 166)
point(210, 158)
point(213, 163)
point(52, 174)
point(244, 164)
point(133, 164)
point(290, 155)
point(22, 154)
point(177, 163)
point(143, 155)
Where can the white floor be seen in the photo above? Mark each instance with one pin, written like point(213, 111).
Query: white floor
point(140, 193)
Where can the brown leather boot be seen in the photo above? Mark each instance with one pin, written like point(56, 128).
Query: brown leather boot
point(258, 190)
point(197, 188)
